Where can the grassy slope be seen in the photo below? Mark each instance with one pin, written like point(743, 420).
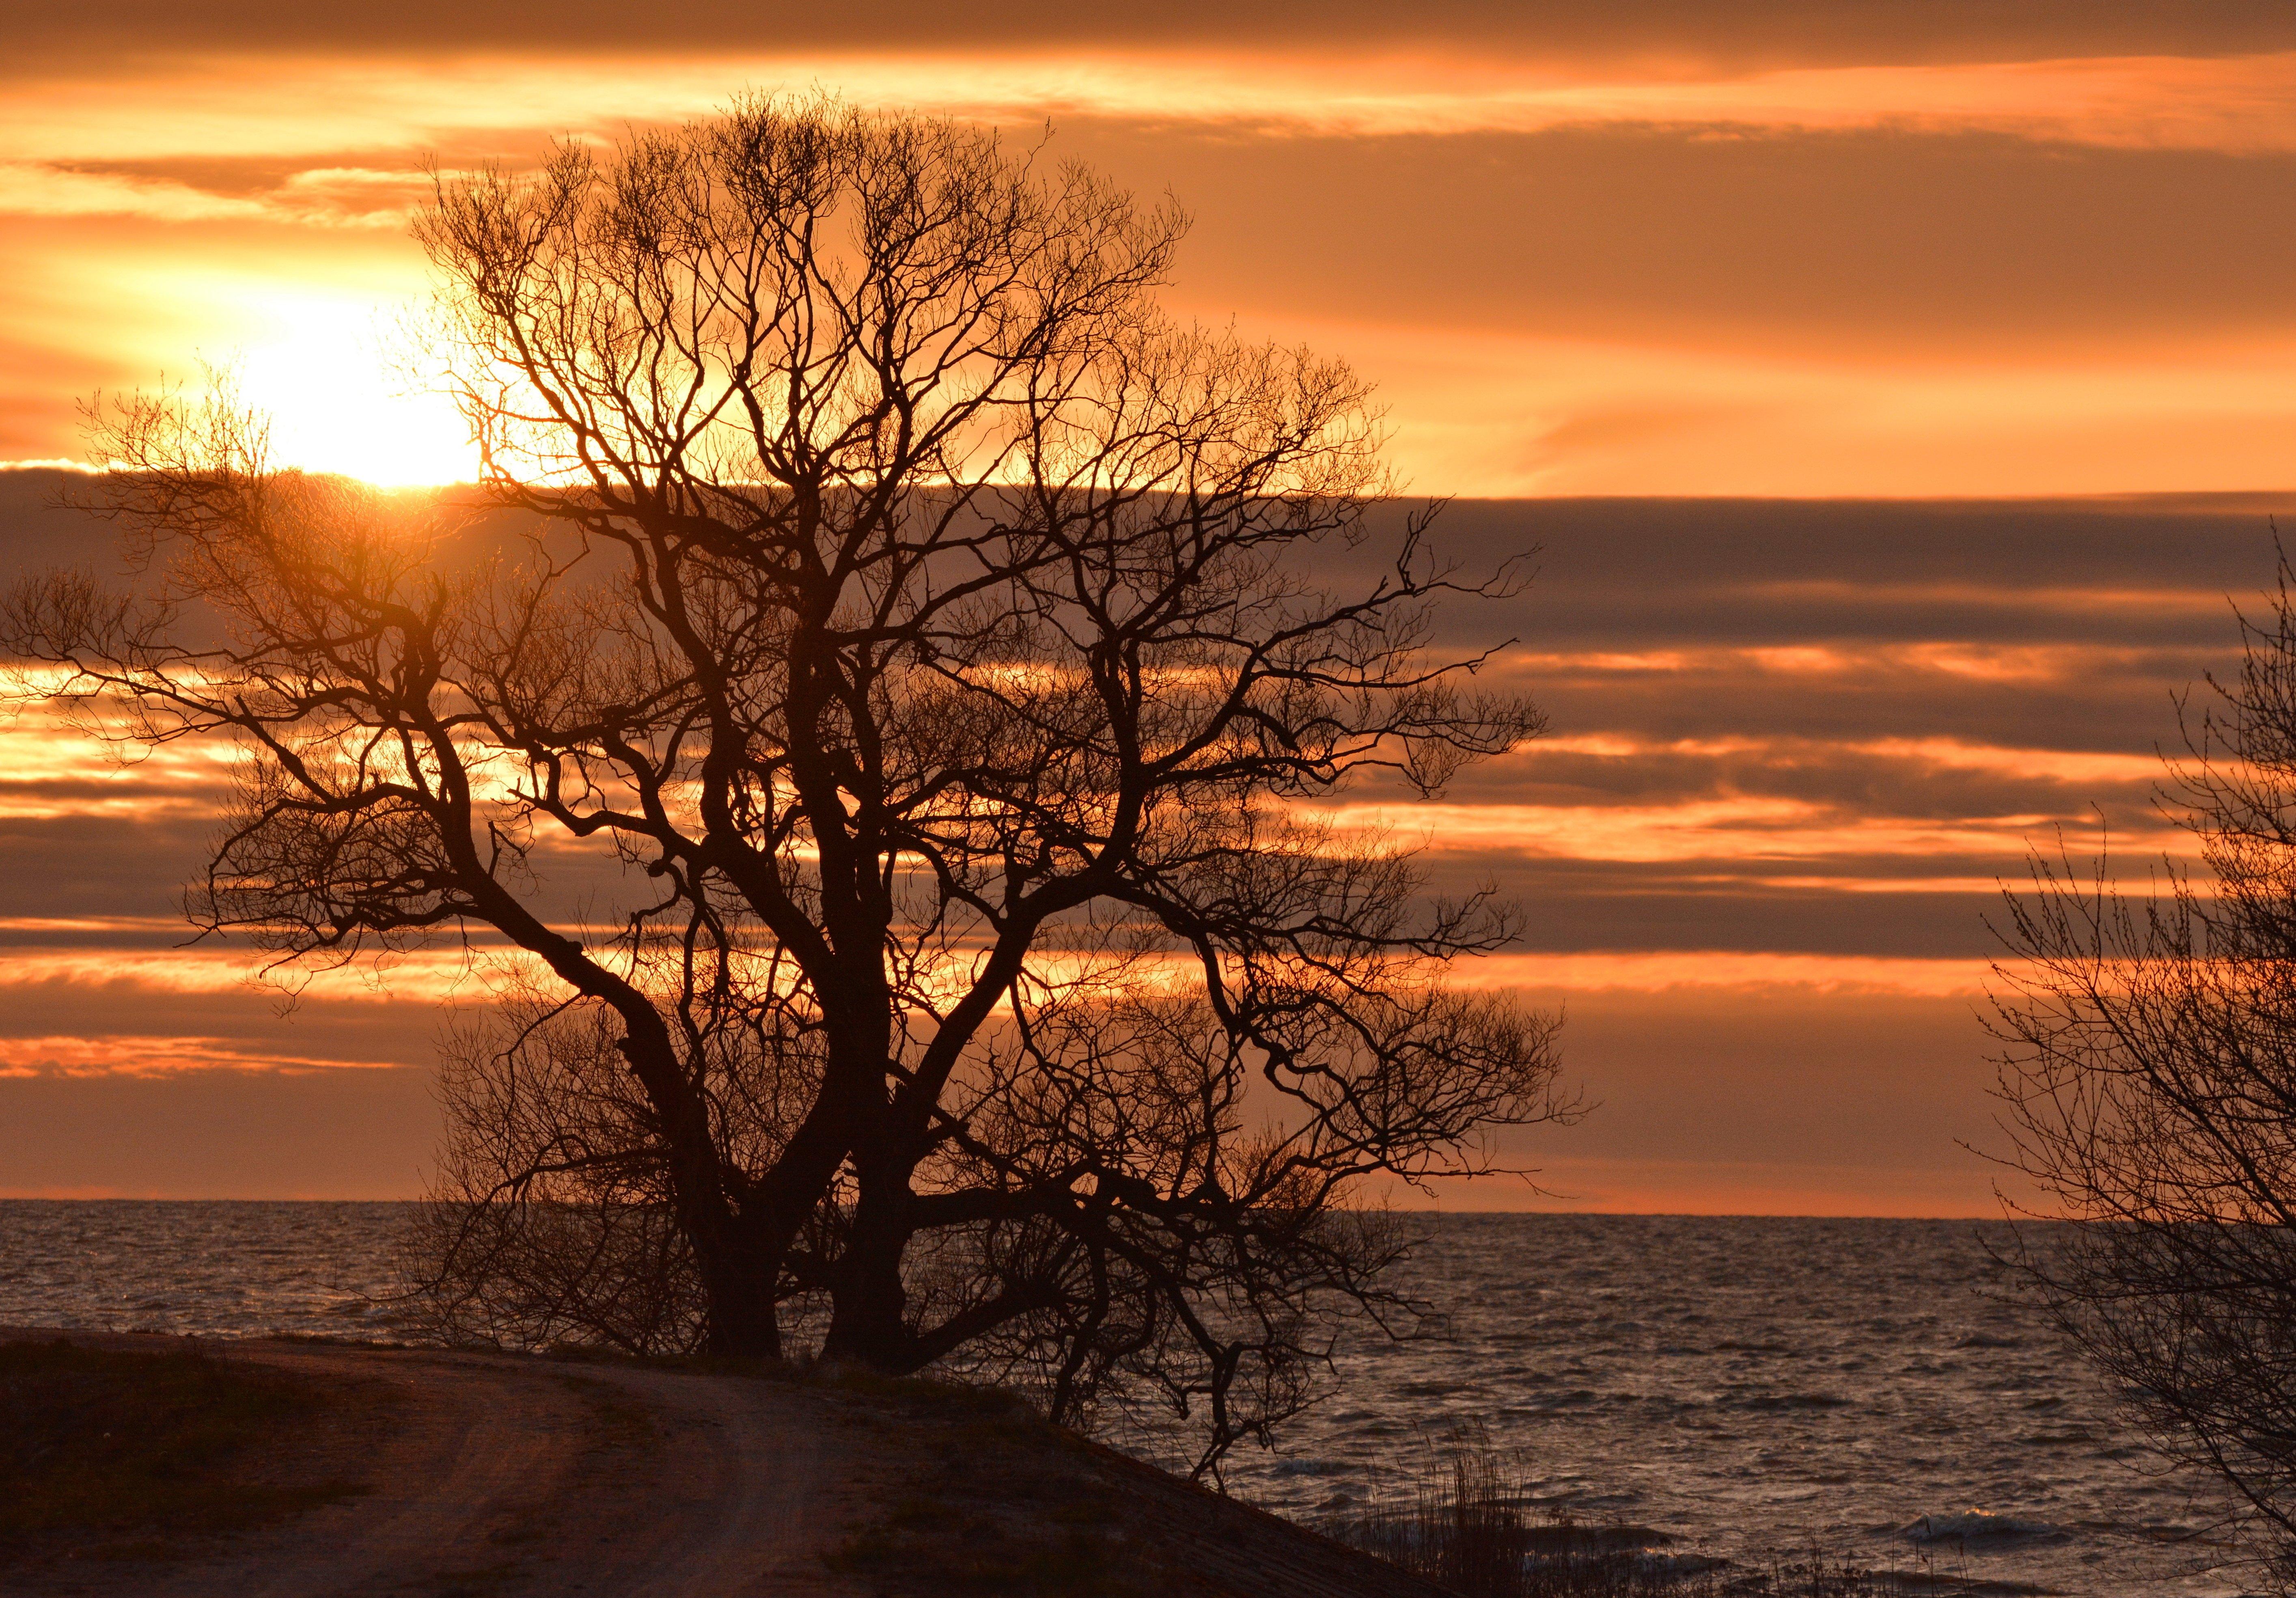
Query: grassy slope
point(983, 1498)
point(960, 1493)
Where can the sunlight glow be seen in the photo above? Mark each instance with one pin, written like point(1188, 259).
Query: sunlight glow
point(1753, 973)
point(1730, 827)
point(324, 372)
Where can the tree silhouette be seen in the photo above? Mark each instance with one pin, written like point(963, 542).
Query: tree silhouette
point(931, 633)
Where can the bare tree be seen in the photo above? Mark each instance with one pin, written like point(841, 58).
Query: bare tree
point(2150, 1080)
point(931, 633)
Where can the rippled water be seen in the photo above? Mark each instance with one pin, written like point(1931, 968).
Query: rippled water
point(1870, 1387)
point(240, 1269)
point(1741, 1387)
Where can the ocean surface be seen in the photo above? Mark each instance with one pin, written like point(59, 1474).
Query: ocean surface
point(1741, 1389)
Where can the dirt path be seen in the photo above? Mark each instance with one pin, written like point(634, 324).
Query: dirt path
point(510, 1475)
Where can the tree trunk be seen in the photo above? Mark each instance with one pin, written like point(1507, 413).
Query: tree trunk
point(868, 1321)
point(739, 1286)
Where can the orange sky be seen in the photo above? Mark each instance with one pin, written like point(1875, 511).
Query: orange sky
point(1828, 252)
point(1775, 249)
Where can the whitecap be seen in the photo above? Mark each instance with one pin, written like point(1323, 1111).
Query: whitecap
point(1984, 1527)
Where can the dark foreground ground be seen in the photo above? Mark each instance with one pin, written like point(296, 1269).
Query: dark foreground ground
point(271, 1470)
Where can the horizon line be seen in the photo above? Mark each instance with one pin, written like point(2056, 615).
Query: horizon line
point(62, 465)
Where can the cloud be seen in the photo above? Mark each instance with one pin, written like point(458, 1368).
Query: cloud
point(1946, 1190)
point(322, 197)
point(131, 1055)
point(33, 189)
point(52, 769)
point(264, 104)
point(1868, 313)
point(1683, 34)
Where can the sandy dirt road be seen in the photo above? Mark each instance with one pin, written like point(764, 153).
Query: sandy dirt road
point(501, 1475)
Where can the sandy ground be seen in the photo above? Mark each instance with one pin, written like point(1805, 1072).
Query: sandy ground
point(499, 1477)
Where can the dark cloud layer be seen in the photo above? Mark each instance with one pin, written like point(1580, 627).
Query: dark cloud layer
point(104, 866)
point(1676, 550)
point(1566, 914)
point(1765, 33)
point(244, 1022)
point(1783, 729)
point(1688, 652)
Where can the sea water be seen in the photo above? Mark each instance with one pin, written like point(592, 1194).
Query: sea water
point(1739, 1388)
point(1751, 1389)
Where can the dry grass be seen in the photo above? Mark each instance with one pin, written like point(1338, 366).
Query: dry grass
point(1011, 1506)
point(129, 1455)
point(1471, 1525)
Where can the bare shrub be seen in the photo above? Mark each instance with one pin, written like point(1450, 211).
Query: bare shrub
point(2149, 1076)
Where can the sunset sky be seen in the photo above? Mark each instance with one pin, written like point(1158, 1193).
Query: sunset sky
point(1895, 391)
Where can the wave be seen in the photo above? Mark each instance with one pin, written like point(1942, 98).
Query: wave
point(1983, 1527)
point(1770, 1403)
